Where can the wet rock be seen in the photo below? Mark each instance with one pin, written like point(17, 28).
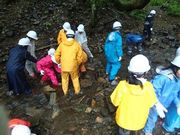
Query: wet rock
point(10, 33)
point(85, 83)
point(36, 22)
point(101, 80)
point(104, 112)
point(93, 103)
point(32, 111)
point(99, 120)
point(88, 110)
point(84, 131)
point(165, 33)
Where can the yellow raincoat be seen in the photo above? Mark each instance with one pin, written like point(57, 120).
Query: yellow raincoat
point(133, 104)
point(61, 36)
point(70, 55)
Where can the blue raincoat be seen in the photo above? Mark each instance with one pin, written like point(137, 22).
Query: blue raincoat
point(166, 87)
point(113, 50)
point(172, 120)
point(15, 69)
point(134, 38)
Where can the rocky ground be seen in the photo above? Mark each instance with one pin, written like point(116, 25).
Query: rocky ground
point(89, 113)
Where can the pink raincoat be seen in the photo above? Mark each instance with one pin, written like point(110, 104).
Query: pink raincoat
point(49, 68)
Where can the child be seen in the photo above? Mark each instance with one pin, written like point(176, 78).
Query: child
point(30, 66)
point(134, 97)
point(134, 41)
point(167, 85)
point(113, 52)
point(62, 33)
point(48, 67)
point(80, 36)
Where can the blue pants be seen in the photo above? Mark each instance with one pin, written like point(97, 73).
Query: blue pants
point(172, 119)
point(112, 69)
point(151, 122)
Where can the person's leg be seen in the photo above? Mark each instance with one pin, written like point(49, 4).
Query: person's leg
point(53, 79)
point(129, 48)
point(122, 131)
point(87, 50)
point(151, 121)
point(65, 82)
point(114, 70)
point(108, 69)
point(75, 81)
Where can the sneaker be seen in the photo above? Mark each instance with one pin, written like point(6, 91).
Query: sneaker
point(114, 82)
point(9, 93)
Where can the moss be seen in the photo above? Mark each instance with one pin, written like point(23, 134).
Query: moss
point(138, 14)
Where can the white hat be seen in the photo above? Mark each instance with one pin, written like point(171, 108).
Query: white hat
point(176, 61)
point(66, 26)
point(139, 64)
point(24, 42)
point(21, 130)
point(178, 52)
point(117, 25)
point(80, 28)
point(51, 51)
point(32, 34)
point(153, 12)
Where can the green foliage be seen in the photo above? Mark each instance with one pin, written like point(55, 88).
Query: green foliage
point(157, 2)
point(138, 14)
point(174, 8)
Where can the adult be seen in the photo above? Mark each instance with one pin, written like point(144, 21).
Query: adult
point(30, 66)
point(15, 68)
point(70, 55)
point(148, 25)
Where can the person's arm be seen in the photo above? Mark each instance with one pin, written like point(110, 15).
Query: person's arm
point(29, 57)
point(57, 54)
point(119, 45)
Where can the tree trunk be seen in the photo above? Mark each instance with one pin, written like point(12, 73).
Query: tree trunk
point(129, 5)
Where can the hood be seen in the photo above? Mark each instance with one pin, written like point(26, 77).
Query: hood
point(69, 42)
point(135, 89)
point(166, 72)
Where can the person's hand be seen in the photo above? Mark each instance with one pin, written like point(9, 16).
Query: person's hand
point(42, 72)
point(178, 110)
point(161, 110)
point(151, 29)
point(59, 65)
point(120, 58)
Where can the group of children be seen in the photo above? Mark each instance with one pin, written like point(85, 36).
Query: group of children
point(138, 101)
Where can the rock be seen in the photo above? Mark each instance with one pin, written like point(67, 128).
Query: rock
point(93, 103)
point(104, 112)
point(36, 22)
point(84, 131)
point(170, 38)
point(10, 33)
point(85, 83)
point(32, 111)
point(101, 80)
point(88, 110)
point(99, 120)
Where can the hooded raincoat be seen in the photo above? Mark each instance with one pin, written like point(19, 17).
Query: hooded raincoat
point(61, 36)
point(82, 39)
point(113, 50)
point(50, 69)
point(15, 69)
point(172, 120)
point(30, 66)
point(133, 104)
point(166, 87)
point(70, 55)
